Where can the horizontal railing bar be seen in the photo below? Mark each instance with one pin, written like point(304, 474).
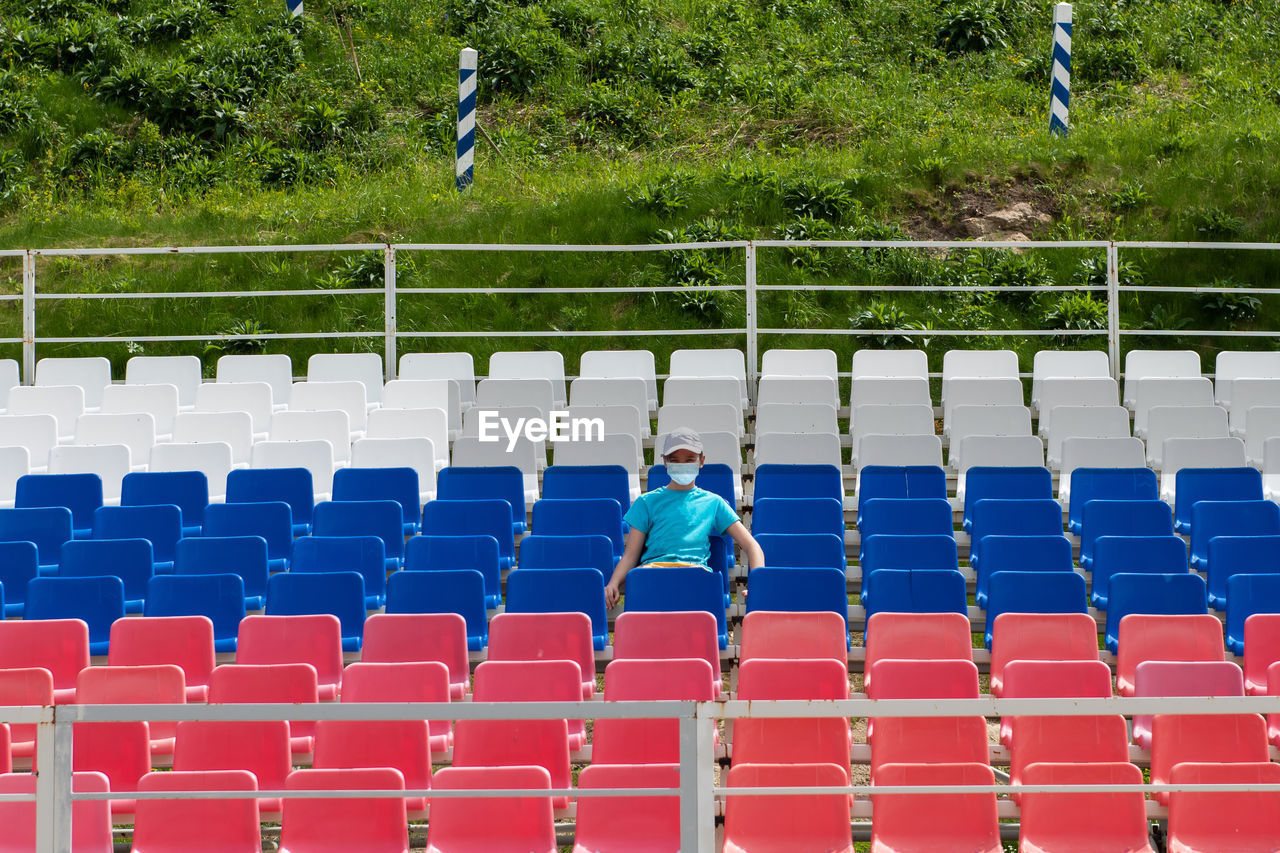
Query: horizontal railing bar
point(215, 294)
point(992, 707)
point(933, 244)
point(609, 289)
point(931, 288)
point(554, 247)
point(212, 336)
point(378, 711)
point(26, 715)
point(1162, 288)
point(1167, 244)
point(874, 790)
point(209, 250)
point(11, 297)
point(13, 253)
point(377, 793)
point(1224, 333)
point(605, 333)
point(927, 332)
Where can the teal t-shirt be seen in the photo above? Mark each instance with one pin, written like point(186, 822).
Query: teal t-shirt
point(677, 524)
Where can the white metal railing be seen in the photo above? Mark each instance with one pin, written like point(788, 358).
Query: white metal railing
point(697, 791)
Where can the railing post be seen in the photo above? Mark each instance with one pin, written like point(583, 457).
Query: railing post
point(389, 310)
point(1113, 309)
point(53, 784)
point(28, 318)
point(689, 782)
point(706, 810)
point(753, 353)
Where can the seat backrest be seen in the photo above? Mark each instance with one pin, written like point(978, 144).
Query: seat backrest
point(1082, 422)
point(915, 591)
point(48, 527)
point(1040, 636)
point(259, 746)
point(1262, 425)
point(184, 641)
point(1152, 594)
point(902, 481)
point(60, 646)
point(497, 823)
point(1128, 483)
point(253, 398)
point(482, 516)
point(188, 490)
point(984, 419)
point(65, 403)
point(363, 367)
point(991, 391)
point(889, 419)
point(667, 635)
point(798, 390)
point(1067, 364)
point(564, 482)
point(977, 363)
point(1034, 592)
point(291, 486)
point(349, 396)
point(90, 373)
point(539, 393)
point(1142, 364)
point(797, 590)
point(38, 433)
point(1172, 391)
point(1166, 422)
point(409, 637)
point(1005, 482)
point(80, 493)
point(339, 593)
point(159, 401)
point(316, 456)
point(1107, 517)
point(905, 516)
point(620, 449)
point(959, 820)
point(160, 523)
point(955, 678)
point(1225, 738)
point(459, 592)
point(229, 825)
point(1150, 554)
point(272, 520)
point(660, 589)
point(90, 819)
point(541, 364)
point(472, 451)
point(646, 822)
point(98, 601)
point(128, 559)
point(330, 425)
point(1185, 637)
point(899, 451)
point(472, 552)
point(793, 635)
point(710, 362)
point(1261, 650)
point(589, 391)
point(798, 481)
point(776, 824)
point(799, 449)
point(1106, 820)
point(1010, 451)
point(622, 363)
point(888, 390)
point(562, 590)
point(376, 825)
point(315, 639)
point(1097, 454)
point(364, 517)
point(1206, 820)
point(263, 683)
point(431, 424)
point(1248, 594)
point(442, 394)
point(1231, 369)
point(803, 549)
point(1210, 518)
point(366, 555)
point(915, 636)
point(458, 366)
point(1246, 394)
point(274, 369)
point(183, 372)
point(799, 362)
point(1179, 453)
point(889, 362)
point(111, 462)
point(1213, 484)
point(19, 563)
point(543, 636)
point(798, 515)
point(218, 596)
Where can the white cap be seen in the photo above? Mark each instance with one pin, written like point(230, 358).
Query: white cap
point(682, 438)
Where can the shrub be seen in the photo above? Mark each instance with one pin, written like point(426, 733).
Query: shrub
point(1127, 198)
point(321, 123)
point(18, 107)
point(518, 49)
point(1214, 223)
point(971, 27)
point(816, 260)
point(613, 112)
point(1077, 312)
point(664, 198)
point(12, 177)
point(1230, 308)
point(828, 200)
point(363, 270)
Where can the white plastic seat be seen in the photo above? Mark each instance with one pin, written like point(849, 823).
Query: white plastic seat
point(504, 393)
point(37, 433)
point(1271, 468)
point(470, 451)
point(253, 398)
point(91, 374)
point(789, 448)
point(363, 367)
point(806, 417)
point(896, 450)
point(718, 447)
point(702, 391)
point(137, 431)
point(890, 363)
point(888, 391)
point(512, 415)
point(64, 402)
point(432, 424)
point(1164, 364)
point(616, 449)
point(800, 362)
point(9, 378)
point(332, 426)
point(902, 419)
point(1179, 453)
point(701, 363)
point(969, 421)
point(109, 461)
point(1066, 364)
point(1079, 452)
point(538, 364)
point(704, 417)
point(1058, 391)
point(235, 429)
point(161, 401)
point(211, 458)
point(621, 364)
point(347, 395)
point(974, 391)
point(1165, 422)
point(1152, 392)
point(1083, 422)
point(275, 369)
point(416, 453)
point(779, 388)
point(181, 371)
point(15, 462)
point(1231, 367)
point(998, 451)
point(1248, 393)
point(625, 420)
point(977, 364)
point(458, 366)
point(616, 391)
point(444, 394)
point(1262, 425)
point(316, 455)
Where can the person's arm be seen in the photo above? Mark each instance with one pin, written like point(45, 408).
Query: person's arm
point(750, 547)
point(630, 559)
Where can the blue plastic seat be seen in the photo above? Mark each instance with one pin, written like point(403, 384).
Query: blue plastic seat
point(160, 523)
point(714, 477)
point(97, 601)
point(187, 490)
point(48, 527)
point(1248, 594)
point(218, 596)
point(1148, 555)
point(1113, 484)
point(798, 515)
point(128, 559)
point(364, 518)
point(80, 493)
point(671, 589)
point(567, 482)
point(338, 593)
point(293, 486)
point(19, 563)
point(476, 516)
point(1012, 517)
point(905, 517)
point(1212, 484)
point(1034, 592)
point(799, 590)
point(1239, 555)
point(798, 481)
point(458, 591)
point(541, 551)
point(901, 481)
point(803, 549)
point(1006, 483)
point(1153, 595)
point(245, 556)
point(1004, 553)
point(902, 552)
point(590, 516)
point(450, 553)
point(915, 591)
point(1103, 517)
point(500, 482)
point(272, 520)
point(1229, 518)
point(363, 554)
point(565, 591)
point(382, 484)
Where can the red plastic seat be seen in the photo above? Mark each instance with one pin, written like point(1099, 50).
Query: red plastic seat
point(533, 681)
point(935, 740)
point(954, 822)
point(1213, 822)
point(647, 741)
point(259, 746)
point(314, 639)
point(915, 636)
point(320, 825)
point(1182, 637)
point(667, 636)
point(1182, 678)
point(1040, 636)
point(6, 751)
point(185, 641)
point(628, 824)
point(487, 824)
point(1083, 823)
point(58, 645)
point(1053, 679)
point(776, 634)
point(197, 825)
point(788, 822)
point(90, 819)
point(285, 682)
point(29, 686)
point(1176, 738)
point(136, 685)
point(1273, 689)
point(411, 637)
point(545, 636)
point(799, 740)
point(119, 751)
point(402, 744)
point(1056, 739)
point(421, 681)
point(1261, 650)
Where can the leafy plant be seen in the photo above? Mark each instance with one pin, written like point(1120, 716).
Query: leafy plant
point(884, 316)
point(665, 197)
point(1127, 198)
point(971, 27)
point(1099, 62)
point(518, 49)
point(816, 260)
point(229, 346)
point(1230, 308)
point(1076, 311)
point(366, 269)
point(828, 200)
point(1214, 223)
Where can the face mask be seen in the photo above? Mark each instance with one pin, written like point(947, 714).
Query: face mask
point(682, 473)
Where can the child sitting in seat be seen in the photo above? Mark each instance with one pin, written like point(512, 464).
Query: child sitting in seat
point(672, 525)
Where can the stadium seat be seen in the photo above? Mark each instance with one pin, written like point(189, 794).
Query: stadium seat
point(38, 433)
point(1263, 425)
point(484, 517)
point(1081, 422)
point(275, 370)
point(1106, 517)
point(1034, 592)
point(1004, 483)
point(974, 420)
point(182, 641)
point(372, 825)
point(538, 391)
point(670, 635)
point(420, 637)
point(798, 481)
point(351, 397)
point(65, 403)
point(1017, 517)
point(545, 636)
point(402, 744)
point(888, 390)
point(1218, 738)
point(230, 402)
point(24, 686)
point(628, 823)
point(291, 683)
point(720, 416)
point(127, 559)
point(547, 680)
point(1089, 484)
point(1145, 637)
point(651, 589)
point(217, 597)
point(1153, 392)
point(553, 552)
point(456, 366)
point(612, 364)
point(341, 594)
point(797, 390)
point(98, 601)
point(792, 741)
point(291, 486)
point(1054, 679)
point(590, 516)
point(89, 373)
point(565, 590)
point(1261, 650)
point(1182, 678)
point(568, 482)
point(926, 739)
point(476, 553)
point(441, 394)
point(808, 418)
point(1085, 822)
point(1248, 594)
point(80, 493)
point(161, 684)
point(912, 481)
point(314, 456)
point(380, 518)
point(1165, 423)
point(1079, 384)
point(458, 483)
point(60, 646)
point(245, 556)
point(779, 824)
point(987, 451)
point(612, 450)
point(915, 591)
point(898, 451)
point(1211, 519)
point(540, 364)
point(492, 823)
point(985, 391)
point(47, 527)
point(1135, 554)
point(792, 636)
point(270, 520)
point(19, 563)
point(797, 515)
point(120, 751)
point(135, 431)
point(1152, 595)
point(1004, 553)
point(914, 636)
point(905, 552)
point(451, 591)
point(957, 821)
point(364, 367)
point(1213, 484)
point(382, 484)
point(633, 392)
point(313, 639)
point(364, 555)
point(1231, 367)
point(803, 549)
point(1099, 454)
point(167, 826)
point(183, 372)
point(1246, 394)
point(330, 426)
point(891, 362)
point(1200, 821)
point(1043, 636)
point(90, 819)
point(797, 590)
point(888, 419)
point(795, 448)
point(15, 463)
point(1182, 453)
point(211, 461)
point(160, 523)
point(431, 424)
point(1233, 555)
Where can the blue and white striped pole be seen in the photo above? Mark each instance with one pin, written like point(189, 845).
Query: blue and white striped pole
point(295, 7)
point(466, 118)
point(1060, 98)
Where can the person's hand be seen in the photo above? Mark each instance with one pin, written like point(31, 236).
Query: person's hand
point(611, 595)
